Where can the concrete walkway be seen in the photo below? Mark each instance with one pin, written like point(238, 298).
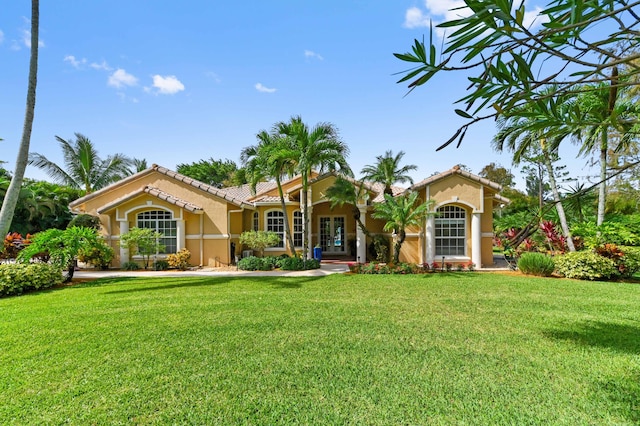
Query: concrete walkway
point(325, 269)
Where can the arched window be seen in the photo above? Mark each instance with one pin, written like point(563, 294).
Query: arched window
point(256, 221)
point(297, 228)
point(161, 221)
point(275, 223)
point(450, 230)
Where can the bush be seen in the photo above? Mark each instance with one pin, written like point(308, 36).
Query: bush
point(253, 263)
point(100, 256)
point(298, 264)
point(13, 243)
point(531, 263)
point(85, 221)
point(630, 261)
point(16, 278)
point(179, 260)
point(160, 265)
point(585, 265)
point(130, 266)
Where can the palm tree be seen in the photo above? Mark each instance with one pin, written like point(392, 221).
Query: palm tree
point(400, 213)
point(344, 191)
point(538, 124)
point(319, 148)
point(270, 159)
point(604, 112)
point(84, 168)
point(13, 192)
point(138, 165)
point(387, 171)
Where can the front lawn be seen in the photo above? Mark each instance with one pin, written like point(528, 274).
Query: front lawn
point(461, 348)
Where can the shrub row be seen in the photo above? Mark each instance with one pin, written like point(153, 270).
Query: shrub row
point(16, 278)
point(268, 263)
point(408, 268)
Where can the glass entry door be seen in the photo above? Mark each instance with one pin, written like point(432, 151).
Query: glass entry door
point(332, 234)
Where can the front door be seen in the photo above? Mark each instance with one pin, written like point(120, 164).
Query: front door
point(332, 234)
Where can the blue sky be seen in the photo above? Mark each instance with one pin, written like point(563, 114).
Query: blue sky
point(176, 82)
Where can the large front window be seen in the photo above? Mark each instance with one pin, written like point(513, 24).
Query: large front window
point(161, 221)
point(275, 223)
point(450, 231)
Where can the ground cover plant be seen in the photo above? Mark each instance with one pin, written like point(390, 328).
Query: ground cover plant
point(456, 348)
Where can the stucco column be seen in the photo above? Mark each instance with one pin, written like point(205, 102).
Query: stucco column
point(180, 235)
point(124, 252)
point(430, 240)
point(361, 237)
point(476, 239)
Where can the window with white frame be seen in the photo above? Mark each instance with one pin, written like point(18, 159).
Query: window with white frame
point(275, 223)
point(162, 222)
point(256, 221)
point(450, 231)
point(297, 228)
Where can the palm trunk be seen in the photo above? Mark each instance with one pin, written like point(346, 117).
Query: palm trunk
point(556, 198)
point(13, 192)
point(602, 188)
point(287, 226)
point(305, 219)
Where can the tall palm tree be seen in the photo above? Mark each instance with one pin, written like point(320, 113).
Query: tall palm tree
point(538, 124)
point(344, 191)
point(13, 192)
point(318, 147)
point(605, 112)
point(270, 159)
point(84, 169)
point(387, 171)
point(400, 213)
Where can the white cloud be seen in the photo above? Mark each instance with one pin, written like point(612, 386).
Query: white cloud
point(168, 85)
point(1, 36)
point(260, 88)
point(312, 54)
point(100, 66)
point(26, 39)
point(414, 18)
point(76, 63)
point(120, 78)
point(213, 75)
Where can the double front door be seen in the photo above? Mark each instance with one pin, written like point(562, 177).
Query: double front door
point(332, 234)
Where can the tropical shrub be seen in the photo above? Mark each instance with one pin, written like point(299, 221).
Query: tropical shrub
point(179, 260)
point(86, 221)
point(259, 240)
point(13, 243)
point(130, 266)
point(539, 264)
point(298, 264)
point(160, 265)
point(16, 278)
point(145, 242)
point(253, 263)
point(630, 261)
point(585, 265)
point(100, 256)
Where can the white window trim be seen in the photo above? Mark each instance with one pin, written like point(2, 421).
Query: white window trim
point(466, 235)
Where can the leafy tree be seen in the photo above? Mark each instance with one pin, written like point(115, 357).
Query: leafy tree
point(259, 240)
point(498, 174)
point(271, 158)
point(145, 241)
point(63, 246)
point(84, 169)
point(217, 173)
point(512, 63)
point(400, 213)
point(387, 171)
point(318, 147)
point(85, 220)
point(13, 192)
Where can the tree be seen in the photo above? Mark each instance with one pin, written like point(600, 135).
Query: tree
point(498, 174)
point(259, 240)
point(84, 169)
point(537, 125)
point(400, 213)
point(516, 63)
point(145, 241)
point(217, 173)
point(271, 158)
point(604, 113)
point(318, 147)
point(13, 192)
point(345, 191)
point(387, 171)
point(63, 246)
point(138, 165)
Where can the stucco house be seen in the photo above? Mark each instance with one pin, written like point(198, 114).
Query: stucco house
point(208, 221)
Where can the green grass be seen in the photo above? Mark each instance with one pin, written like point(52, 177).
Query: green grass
point(468, 348)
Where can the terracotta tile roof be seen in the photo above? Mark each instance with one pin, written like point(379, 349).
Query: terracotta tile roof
point(154, 192)
point(453, 171)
